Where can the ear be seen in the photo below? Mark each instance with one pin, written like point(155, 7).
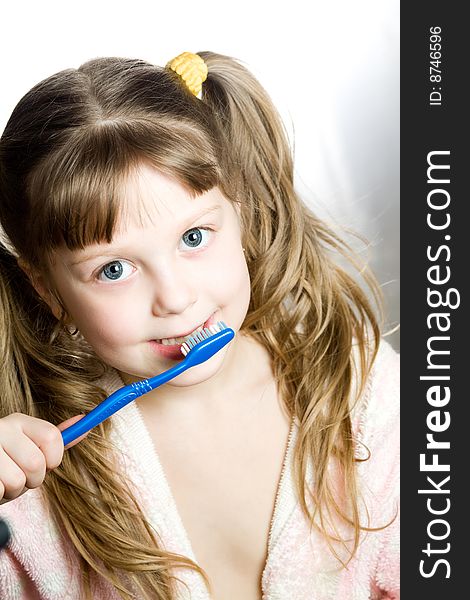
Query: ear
point(38, 281)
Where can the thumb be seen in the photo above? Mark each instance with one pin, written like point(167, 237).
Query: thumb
point(68, 423)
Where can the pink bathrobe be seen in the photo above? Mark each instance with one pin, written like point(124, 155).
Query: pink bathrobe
point(299, 565)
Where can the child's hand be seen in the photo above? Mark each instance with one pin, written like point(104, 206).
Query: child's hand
point(29, 447)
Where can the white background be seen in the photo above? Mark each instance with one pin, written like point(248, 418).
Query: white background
point(331, 68)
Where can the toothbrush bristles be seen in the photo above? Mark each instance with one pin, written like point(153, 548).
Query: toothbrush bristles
point(202, 335)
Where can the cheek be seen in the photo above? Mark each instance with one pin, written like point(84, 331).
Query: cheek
point(231, 279)
point(103, 323)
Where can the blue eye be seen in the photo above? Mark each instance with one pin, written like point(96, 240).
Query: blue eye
point(193, 237)
point(113, 270)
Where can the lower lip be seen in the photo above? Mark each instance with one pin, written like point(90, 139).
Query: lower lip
point(174, 352)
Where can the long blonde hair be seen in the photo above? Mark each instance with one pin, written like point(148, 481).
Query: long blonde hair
point(67, 149)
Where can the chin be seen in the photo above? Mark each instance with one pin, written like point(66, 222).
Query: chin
point(202, 372)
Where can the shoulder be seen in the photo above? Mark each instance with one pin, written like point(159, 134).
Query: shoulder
point(380, 473)
point(379, 405)
point(376, 426)
point(384, 399)
point(386, 368)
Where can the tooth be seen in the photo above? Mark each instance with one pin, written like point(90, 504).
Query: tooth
point(197, 335)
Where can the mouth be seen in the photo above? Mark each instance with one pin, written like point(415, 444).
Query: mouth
point(178, 340)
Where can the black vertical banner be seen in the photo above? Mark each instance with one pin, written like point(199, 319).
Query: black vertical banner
point(434, 302)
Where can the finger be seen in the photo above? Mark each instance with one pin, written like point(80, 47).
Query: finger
point(26, 455)
point(47, 438)
point(68, 423)
point(44, 434)
point(12, 480)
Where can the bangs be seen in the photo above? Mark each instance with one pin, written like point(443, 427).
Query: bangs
point(78, 194)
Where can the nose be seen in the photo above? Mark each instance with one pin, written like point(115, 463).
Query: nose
point(173, 291)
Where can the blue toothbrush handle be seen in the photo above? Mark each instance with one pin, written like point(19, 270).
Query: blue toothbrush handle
point(117, 400)
point(101, 412)
point(204, 346)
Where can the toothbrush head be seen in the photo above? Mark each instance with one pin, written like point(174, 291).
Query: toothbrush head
point(204, 344)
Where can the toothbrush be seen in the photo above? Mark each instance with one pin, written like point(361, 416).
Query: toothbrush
point(197, 349)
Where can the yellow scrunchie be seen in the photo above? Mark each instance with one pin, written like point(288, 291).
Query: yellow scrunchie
point(191, 68)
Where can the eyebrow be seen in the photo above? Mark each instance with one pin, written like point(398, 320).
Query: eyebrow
point(116, 250)
point(206, 211)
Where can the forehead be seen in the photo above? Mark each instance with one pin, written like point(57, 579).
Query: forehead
point(151, 197)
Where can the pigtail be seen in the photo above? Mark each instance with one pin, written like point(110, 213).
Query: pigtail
point(20, 314)
point(10, 373)
point(256, 153)
point(308, 311)
point(257, 140)
point(34, 345)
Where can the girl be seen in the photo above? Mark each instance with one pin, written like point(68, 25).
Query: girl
point(137, 207)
